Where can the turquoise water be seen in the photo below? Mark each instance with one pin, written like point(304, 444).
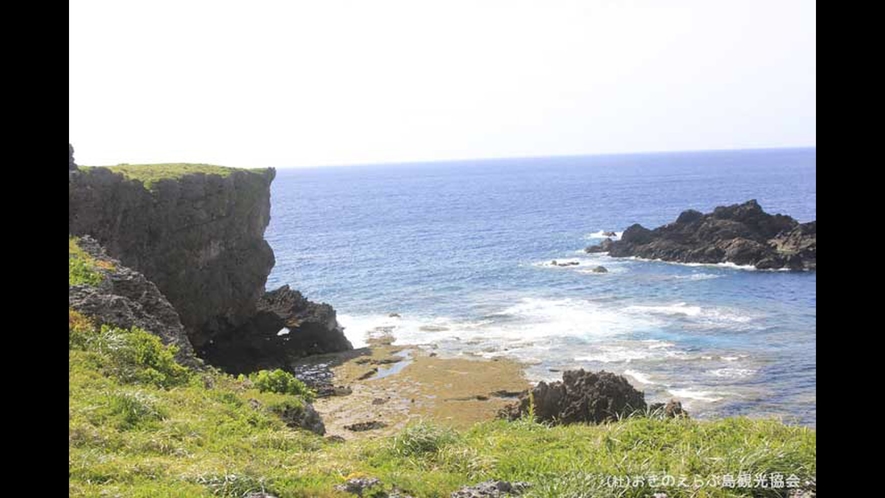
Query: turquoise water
point(461, 251)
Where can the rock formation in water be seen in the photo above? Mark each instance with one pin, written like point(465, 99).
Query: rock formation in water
point(200, 238)
point(580, 397)
point(742, 234)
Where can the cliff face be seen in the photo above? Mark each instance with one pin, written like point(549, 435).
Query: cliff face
point(199, 238)
point(197, 232)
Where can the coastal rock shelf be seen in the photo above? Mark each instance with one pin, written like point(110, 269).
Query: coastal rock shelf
point(742, 234)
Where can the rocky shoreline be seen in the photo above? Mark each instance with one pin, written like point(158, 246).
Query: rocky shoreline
point(742, 234)
point(377, 390)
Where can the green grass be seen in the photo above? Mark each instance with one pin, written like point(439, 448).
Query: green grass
point(135, 433)
point(150, 174)
point(83, 268)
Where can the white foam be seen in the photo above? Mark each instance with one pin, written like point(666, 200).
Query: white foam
point(614, 354)
point(707, 396)
point(726, 264)
point(529, 319)
point(640, 377)
point(674, 309)
point(656, 344)
point(538, 317)
point(599, 235)
point(732, 373)
point(698, 276)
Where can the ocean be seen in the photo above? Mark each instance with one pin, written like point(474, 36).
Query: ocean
point(461, 252)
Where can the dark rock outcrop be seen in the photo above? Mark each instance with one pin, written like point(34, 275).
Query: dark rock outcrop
point(599, 269)
point(491, 489)
point(285, 327)
point(72, 166)
point(359, 485)
point(581, 396)
point(125, 298)
point(742, 234)
point(671, 409)
point(304, 417)
point(199, 238)
point(603, 246)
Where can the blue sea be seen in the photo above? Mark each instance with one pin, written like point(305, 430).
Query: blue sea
point(462, 250)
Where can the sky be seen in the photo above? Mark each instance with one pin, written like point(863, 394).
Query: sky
point(310, 83)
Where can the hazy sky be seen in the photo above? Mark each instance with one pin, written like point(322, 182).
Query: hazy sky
point(316, 82)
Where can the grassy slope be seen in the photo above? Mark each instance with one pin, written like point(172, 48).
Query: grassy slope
point(146, 430)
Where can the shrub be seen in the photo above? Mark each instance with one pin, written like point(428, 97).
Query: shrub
point(132, 355)
point(280, 382)
point(81, 266)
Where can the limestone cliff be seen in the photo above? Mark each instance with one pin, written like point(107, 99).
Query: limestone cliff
point(199, 238)
point(197, 232)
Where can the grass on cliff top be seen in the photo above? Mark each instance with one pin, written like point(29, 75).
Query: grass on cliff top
point(149, 174)
point(83, 268)
point(140, 427)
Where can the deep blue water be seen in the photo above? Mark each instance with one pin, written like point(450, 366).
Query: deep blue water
point(461, 251)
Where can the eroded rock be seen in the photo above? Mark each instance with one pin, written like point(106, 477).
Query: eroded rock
point(581, 396)
point(742, 234)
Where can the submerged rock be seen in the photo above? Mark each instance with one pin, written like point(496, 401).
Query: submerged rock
point(600, 269)
point(564, 263)
point(581, 396)
point(742, 234)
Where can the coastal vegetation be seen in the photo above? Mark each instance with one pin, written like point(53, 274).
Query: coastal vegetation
point(141, 425)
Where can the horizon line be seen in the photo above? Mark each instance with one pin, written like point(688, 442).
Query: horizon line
point(478, 159)
point(555, 156)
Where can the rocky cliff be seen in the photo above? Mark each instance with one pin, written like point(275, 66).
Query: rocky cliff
point(125, 298)
point(743, 234)
point(197, 232)
point(199, 238)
